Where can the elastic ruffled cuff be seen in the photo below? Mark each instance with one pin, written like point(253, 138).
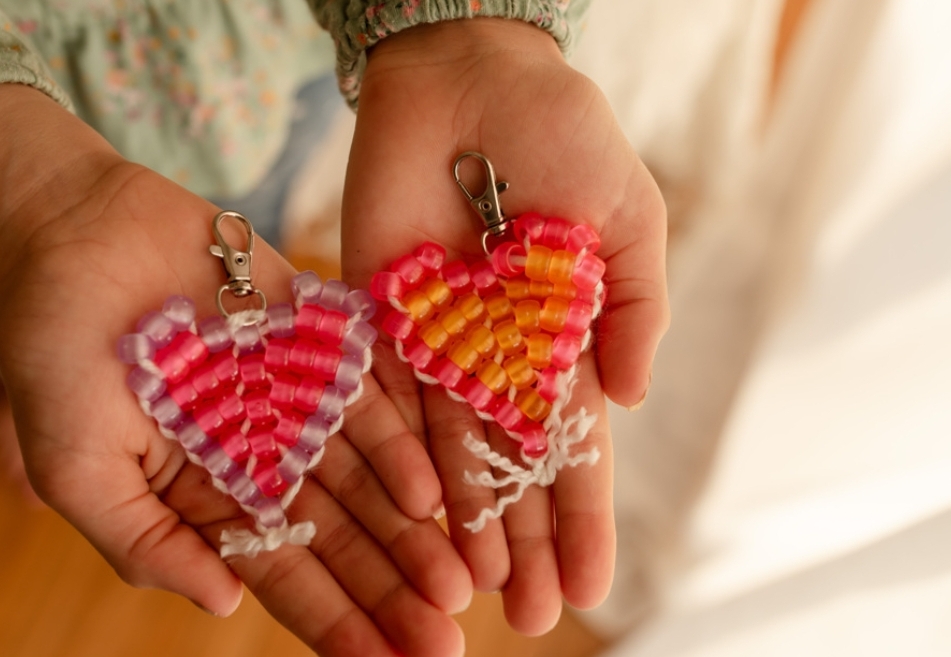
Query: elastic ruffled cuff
point(20, 64)
point(357, 25)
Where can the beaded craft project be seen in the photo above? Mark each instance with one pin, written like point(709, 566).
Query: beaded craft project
point(503, 334)
point(252, 396)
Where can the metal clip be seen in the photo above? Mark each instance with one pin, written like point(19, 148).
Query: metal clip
point(237, 263)
point(487, 203)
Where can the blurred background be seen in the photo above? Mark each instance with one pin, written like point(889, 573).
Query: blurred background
point(786, 490)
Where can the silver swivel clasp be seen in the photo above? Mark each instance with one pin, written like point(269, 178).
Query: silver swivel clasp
point(237, 263)
point(487, 203)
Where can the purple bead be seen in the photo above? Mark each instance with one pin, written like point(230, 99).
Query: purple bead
point(332, 403)
point(314, 434)
point(280, 320)
point(334, 294)
point(359, 301)
point(358, 337)
point(306, 287)
point(158, 327)
point(166, 412)
point(217, 462)
point(248, 339)
point(292, 466)
point(215, 334)
point(134, 347)
point(243, 488)
point(181, 310)
point(270, 513)
point(349, 373)
point(192, 438)
point(145, 385)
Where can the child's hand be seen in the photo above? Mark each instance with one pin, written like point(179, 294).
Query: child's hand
point(90, 243)
point(503, 89)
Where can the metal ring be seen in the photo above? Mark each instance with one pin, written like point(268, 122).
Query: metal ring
point(221, 306)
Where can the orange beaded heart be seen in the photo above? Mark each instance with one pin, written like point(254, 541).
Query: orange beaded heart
point(498, 332)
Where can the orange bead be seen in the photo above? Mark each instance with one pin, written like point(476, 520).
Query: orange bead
point(554, 314)
point(519, 370)
point(540, 289)
point(453, 321)
point(531, 403)
point(528, 316)
point(493, 376)
point(565, 291)
point(471, 306)
point(538, 262)
point(464, 356)
point(482, 340)
point(499, 307)
point(517, 288)
point(437, 291)
point(561, 267)
point(509, 338)
point(420, 308)
point(539, 350)
point(434, 336)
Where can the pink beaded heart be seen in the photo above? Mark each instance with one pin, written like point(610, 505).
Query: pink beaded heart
point(254, 397)
point(500, 333)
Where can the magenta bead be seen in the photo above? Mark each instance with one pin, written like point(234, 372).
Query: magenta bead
point(209, 419)
point(215, 334)
point(306, 287)
point(332, 327)
point(146, 385)
point(166, 412)
point(314, 434)
point(359, 302)
point(269, 512)
point(133, 347)
point(410, 269)
point(448, 373)
point(258, 407)
point(301, 359)
point(288, 428)
point(307, 394)
point(456, 275)
point(191, 437)
point(326, 362)
point(358, 337)
point(307, 321)
point(252, 371)
point(477, 394)
point(530, 225)
point(588, 271)
point(231, 408)
point(181, 310)
point(398, 326)
point(534, 440)
point(583, 238)
point(268, 479)
point(205, 380)
point(248, 339)
point(349, 373)
point(483, 277)
point(334, 294)
point(565, 350)
point(184, 395)
point(419, 355)
point(235, 445)
point(191, 347)
point(293, 464)
point(507, 414)
point(508, 259)
point(158, 327)
point(547, 384)
point(282, 391)
point(578, 320)
point(217, 462)
point(555, 233)
point(262, 443)
point(243, 488)
point(277, 354)
point(332, 403)
point(225, 366)
point(431, 256)
point(385, 284)
point(280, 320)
point(173, 365)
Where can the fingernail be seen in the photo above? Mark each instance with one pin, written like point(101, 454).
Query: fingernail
point(637, 406)
point(204, 609)
point(440, 512)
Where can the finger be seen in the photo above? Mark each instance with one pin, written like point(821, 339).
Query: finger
point(485, 551)
point(583, 499)
point(421, 549)
point(375, 427)
point(397, 381)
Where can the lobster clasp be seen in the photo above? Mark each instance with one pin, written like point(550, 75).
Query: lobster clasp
point(487, 203)
point(237, 263)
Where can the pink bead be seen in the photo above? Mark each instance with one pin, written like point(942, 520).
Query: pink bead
point(288, 428)
point(359, 302)
point(326, 362)
point(262, 443)
point(191, 347)
point(146, 385)
point(173, 365)
point(579, 317)
point(277, 355)
point(184, 394)
point(252, 371)
point(235, 444)
point(180, 310)
point(166, 412)
point(242, 488)
point(231, 408)
point(248, 339)
point(269, 512)
point(555, 233)
point(565, 350)
point(259, 409)
point(585, 295)
point(313, 434)
point(332, 326)
point(307, 321)
point(334, 294)
point(431, 256)
point(530, 225)
point(419, 355)
point(506, 414)
point(268, 479)
point(448, 373)
point(398, 326)
point(349, 373)
point(205, 380)
point(508, 259)
point(588, 271)
point(209, 419)
point(301, 359)
point(217, 462)
point(307, 394)
point(410, 270)
point(358, 337)
point(477, 394)
point(331, 404)
point(483, 277)
point(534, 440)
point(133, 347)
point(583, 238)
point(293, 464)
point(306, 287)
point(158, 327)
point(280, 320)
point(456, 275)
point(385, 284)
point(547, 384)
point(215, 334)
point(191, 437)
point(282, 392)
point(225, 366)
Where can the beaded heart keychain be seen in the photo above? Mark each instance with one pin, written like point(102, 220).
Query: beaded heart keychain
point(504, 333)
point(252, 396)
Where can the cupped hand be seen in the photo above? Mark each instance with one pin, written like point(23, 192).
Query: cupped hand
point(502, 88)
point(92, 242)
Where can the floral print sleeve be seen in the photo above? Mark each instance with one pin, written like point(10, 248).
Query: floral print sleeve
point(356, 25)
point(20, 63)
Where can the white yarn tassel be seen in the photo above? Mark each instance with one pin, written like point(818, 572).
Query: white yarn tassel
point(248, 543)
